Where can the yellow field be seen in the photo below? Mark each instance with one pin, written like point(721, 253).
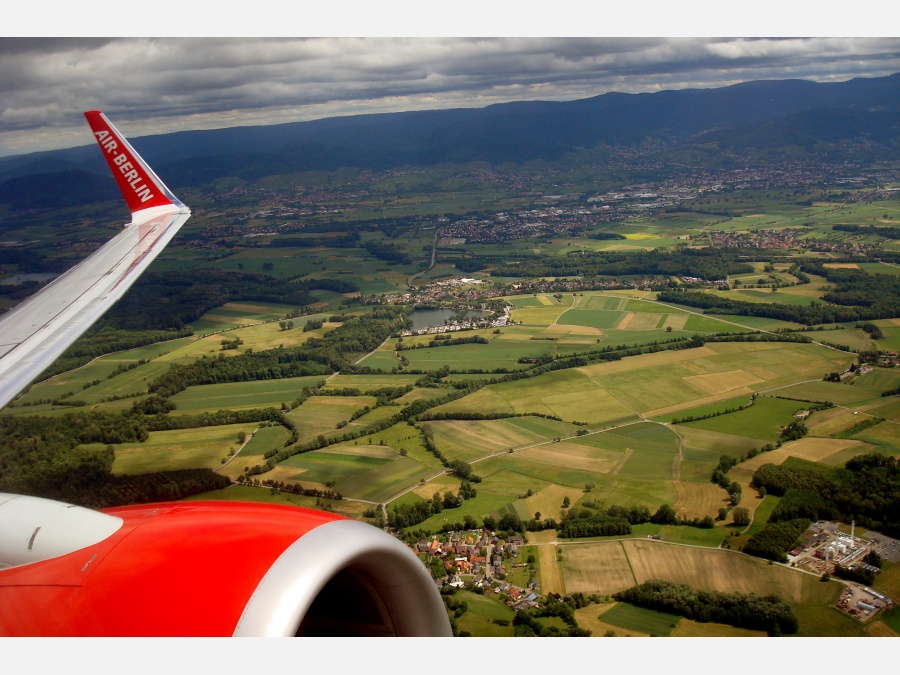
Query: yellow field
point(676, 321)
point(548, 501)
point(551, 574)
point(821, 449)
point(270, 336)
point(567, 394)
point(710, 569)
point(589, 619)
point(828, 422)
point(645, 361)
point(542, 316)
point(744, 471)
point(441, 485)
point(688, 628)
point(693, 403)
point(564, 455)
point(728, 381)
point(696, 500)
point(626, 320)
point(596, 568)
point(645, 321)
point(880, 629)
point(566, 330)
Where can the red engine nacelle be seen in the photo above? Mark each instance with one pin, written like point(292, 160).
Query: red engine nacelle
point(206, 569)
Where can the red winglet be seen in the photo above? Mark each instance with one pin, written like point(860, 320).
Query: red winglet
point(141, 187)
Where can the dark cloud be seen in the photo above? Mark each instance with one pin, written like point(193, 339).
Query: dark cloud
point(157, 85)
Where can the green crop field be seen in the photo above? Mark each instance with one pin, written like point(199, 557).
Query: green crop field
point(635, 618)
point(763, 420)
point(205, 447)
point(242, 395)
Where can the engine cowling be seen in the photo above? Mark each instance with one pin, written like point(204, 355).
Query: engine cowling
point(206, 569)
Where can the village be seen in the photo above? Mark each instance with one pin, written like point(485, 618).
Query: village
point(479, 559)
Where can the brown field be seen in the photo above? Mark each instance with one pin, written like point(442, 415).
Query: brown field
point(596, 568)
point(558, 329)
point(564, 455)
point(880, 629)
point(710, 569)
point(676, 321)
point(744, 471)
point(442, 484)
point(288, 474)
point(696, 500)
point(589, 618)
point(551, 575)
point(841, 266)
point(820, 449)
point(625, 457)
point(641, 321)
point(828, 422)
point(235, 468)
point(695, 402)
point(688, 628)
point(717, 383)
point(625, 321)
point(542, 537)
point(646, 361)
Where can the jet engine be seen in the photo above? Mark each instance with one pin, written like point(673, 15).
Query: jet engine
point(205, 569)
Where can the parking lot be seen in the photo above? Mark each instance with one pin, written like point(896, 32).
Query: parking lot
point(888, 548)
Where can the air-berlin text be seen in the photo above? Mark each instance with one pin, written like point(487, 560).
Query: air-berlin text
point(120, 159)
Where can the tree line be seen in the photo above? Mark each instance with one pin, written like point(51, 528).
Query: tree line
point(744, 610)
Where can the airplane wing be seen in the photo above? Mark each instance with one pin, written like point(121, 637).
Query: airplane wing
point(180, 569)
point(36, 332)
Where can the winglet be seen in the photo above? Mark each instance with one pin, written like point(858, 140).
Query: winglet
point(141, 187)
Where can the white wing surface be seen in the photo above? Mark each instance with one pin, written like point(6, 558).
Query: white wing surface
point(36, 332)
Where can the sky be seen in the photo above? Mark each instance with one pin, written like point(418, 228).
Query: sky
point(202, 75)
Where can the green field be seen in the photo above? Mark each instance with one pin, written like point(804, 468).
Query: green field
point(639, 619)
point(206, 447)
point(242, 395)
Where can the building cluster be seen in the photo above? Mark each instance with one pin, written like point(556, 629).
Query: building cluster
point(482, 560)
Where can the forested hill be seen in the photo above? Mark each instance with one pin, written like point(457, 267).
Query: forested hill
point(751, 114)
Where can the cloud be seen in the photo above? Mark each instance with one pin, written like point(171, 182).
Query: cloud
point(158, 85)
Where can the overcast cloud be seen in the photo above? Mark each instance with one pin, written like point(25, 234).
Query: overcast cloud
point(150, 86)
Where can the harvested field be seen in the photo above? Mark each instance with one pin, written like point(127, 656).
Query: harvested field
point(822, 449)
point(707, 446)
point(626, 321)
point(548, 501)
point(590, 618)
point(551, 574)
point(696, 402)
point(641, 321)
point(710, 569)
point(596, 568)
point(687, 628)
point(880, 629)
point(675, 321)
point(696, 500)
point(645, 361)
point(565, 455)
point(717, 383)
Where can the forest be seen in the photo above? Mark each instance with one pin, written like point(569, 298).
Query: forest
point(866, 490)
point(766, 613)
